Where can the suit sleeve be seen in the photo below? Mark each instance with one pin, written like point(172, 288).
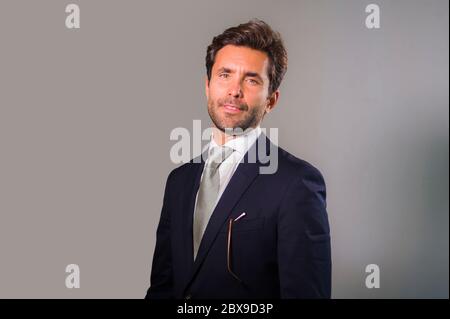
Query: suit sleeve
point(161, 278)
point(304, 250)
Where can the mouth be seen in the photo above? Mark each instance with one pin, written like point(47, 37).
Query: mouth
point(232, 108)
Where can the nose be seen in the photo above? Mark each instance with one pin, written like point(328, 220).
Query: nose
point(235, 89)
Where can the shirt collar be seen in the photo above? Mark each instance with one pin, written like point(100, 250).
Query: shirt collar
point(240, 143)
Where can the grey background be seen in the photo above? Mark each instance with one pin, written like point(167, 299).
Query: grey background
point(85, 118)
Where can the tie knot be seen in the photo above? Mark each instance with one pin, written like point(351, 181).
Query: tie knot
point(218, 155)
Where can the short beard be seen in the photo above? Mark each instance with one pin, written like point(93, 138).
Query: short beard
point(250, 121)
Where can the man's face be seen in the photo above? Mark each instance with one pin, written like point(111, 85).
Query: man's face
point(238, 92)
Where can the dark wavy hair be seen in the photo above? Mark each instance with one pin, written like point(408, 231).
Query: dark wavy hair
point(258, 35)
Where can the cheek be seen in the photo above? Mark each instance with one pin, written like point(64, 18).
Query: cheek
point(255, 98)
point(217, 90)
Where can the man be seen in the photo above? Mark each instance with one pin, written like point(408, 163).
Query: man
point(226, 229)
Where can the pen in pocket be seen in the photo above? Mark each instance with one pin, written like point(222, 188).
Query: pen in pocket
point(239, 217)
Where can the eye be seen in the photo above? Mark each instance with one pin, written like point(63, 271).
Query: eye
point(224, 75)
point(253, 82)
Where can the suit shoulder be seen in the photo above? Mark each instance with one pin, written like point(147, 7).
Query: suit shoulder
point(297, 166)
point(181, 171)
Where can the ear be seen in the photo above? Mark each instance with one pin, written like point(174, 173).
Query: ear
point(207, 87)
point(272, 101)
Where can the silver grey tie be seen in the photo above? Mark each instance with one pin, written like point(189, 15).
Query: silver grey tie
point(208, 192)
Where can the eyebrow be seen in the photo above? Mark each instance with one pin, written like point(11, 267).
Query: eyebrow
point(247, 74)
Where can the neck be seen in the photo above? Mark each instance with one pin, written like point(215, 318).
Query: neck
point(220, 137)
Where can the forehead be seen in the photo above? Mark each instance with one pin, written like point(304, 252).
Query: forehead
point(241, 58)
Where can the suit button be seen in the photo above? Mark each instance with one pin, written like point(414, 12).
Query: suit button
point(188, 296)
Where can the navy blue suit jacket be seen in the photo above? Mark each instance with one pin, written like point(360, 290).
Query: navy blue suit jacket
point(280, 249)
